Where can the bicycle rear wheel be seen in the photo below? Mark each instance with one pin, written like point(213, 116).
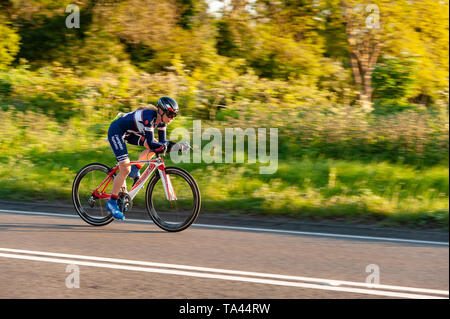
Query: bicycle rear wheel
point(175, 215)
point(90, 208)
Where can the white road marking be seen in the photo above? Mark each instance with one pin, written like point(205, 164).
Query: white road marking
point(413, 241)
point(22, 212)
point(113, 263)
point(227, 271)
point(267, 230)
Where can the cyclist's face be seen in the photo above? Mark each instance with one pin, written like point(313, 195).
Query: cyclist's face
point(163, 118)
point(166, 119)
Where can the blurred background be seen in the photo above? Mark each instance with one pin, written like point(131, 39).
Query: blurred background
point(358, 91)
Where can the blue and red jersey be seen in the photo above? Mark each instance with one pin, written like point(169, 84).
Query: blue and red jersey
point(140, 124)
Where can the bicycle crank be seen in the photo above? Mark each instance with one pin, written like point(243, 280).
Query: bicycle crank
point(124, 202)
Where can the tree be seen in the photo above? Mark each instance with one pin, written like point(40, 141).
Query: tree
point(235, 35)
point(420, 33)
point(364, 42)
point(149, 22)
point(397, 28)
point(278, 39)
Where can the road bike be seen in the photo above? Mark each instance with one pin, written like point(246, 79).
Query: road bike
point(172, 198)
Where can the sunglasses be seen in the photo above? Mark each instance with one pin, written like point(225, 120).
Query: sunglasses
point(171, 113)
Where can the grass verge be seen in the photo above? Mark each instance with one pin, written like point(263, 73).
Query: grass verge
point(321, 189)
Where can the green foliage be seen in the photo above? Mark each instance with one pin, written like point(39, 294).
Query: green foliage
point(419, 31)
point(383, 192)
point(393, 82)
point(50, 90)
point(413, 137)
point(189, 10)
point(388, 106)
point(288, 45)
point(9, 44)
point(45, 37)
point(5, 87)
point(393, 78)
point(225, 42)
point(140, 55)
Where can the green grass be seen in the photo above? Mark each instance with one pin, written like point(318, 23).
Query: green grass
point(381, 192)
point(39, 159)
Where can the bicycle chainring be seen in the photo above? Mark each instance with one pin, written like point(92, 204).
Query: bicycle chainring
point(124, 202)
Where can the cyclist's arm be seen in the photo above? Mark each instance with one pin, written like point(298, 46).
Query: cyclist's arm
point(148, 118)
point(162, 133)
point(152, 145)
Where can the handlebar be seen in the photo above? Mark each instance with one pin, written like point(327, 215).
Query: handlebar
point(181, 147)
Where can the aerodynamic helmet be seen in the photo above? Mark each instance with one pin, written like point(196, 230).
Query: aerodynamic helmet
point(169, 106)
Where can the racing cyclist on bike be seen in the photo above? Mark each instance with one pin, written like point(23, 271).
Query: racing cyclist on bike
point(137, 128)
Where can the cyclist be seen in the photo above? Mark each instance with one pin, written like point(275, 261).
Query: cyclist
point(137, 128)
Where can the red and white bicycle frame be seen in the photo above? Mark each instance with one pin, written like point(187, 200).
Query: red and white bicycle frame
point(157, 163)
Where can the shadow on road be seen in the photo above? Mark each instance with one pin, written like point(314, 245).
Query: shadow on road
point(28, 227)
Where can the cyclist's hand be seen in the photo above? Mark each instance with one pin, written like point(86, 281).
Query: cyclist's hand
point(170, 146)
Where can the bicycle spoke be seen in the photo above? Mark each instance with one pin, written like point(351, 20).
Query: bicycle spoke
point(174, 215)
point(175, 211)
point(91, 208)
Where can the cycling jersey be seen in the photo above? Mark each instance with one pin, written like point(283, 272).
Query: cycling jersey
point(140, 123)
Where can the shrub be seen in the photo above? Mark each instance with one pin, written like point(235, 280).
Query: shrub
point(9, 44)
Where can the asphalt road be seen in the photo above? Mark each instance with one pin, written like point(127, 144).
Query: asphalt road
point(60, 256)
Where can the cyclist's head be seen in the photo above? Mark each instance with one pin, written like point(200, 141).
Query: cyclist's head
point(169, 106)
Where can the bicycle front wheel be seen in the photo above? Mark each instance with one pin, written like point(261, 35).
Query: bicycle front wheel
point(90, 208)
point(173, 215)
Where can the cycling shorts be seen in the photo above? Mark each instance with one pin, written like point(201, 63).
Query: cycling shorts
point(115, 138)
point(134, 139)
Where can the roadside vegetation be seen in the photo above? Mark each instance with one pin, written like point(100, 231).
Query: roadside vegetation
point(341, 156)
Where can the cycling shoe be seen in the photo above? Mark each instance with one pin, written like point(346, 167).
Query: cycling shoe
point(114, 209)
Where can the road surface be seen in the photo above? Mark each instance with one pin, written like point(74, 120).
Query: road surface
point(51, 253)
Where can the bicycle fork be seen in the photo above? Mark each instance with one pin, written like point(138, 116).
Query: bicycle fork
point(167, 183)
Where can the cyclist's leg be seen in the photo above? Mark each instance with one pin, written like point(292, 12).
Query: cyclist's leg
point(138, 140)
point(119, 180)
point(146, 154)
point(120, 151)
point(134, 138)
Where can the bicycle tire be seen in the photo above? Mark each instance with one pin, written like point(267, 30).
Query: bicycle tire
point(156, 217)
point(79, 207)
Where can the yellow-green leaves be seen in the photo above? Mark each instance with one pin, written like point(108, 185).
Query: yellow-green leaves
point(9, 45)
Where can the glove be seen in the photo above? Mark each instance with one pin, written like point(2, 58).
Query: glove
point(170, 145)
